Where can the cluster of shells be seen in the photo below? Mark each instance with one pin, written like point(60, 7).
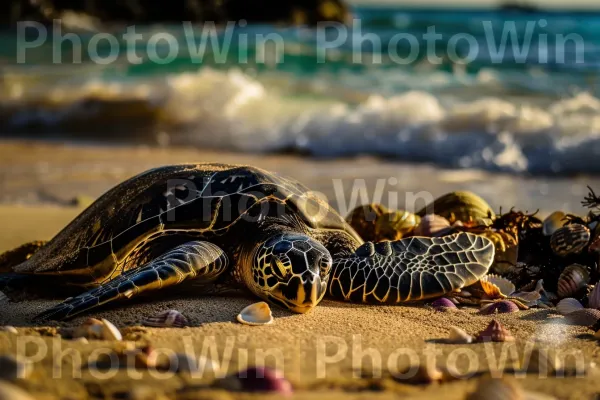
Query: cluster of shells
point(131, 355)
point(538, 262)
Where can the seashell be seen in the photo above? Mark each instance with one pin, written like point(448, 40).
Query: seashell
point(363, 219)
point(506, 287)
point(594, 297)
point(433, 225)
point(543, 362)
point(12, 369)
point(167, 319)
point(500, 307)
point(91, 329)
point(426, 373)
point(595, 244)
point(497, 389)
point(395, 225)
point(443, 304)
point(459, 206)
point(568, 305)
point(110, 332)
point(495, 332)
point(583, 317)
point(553, 222)
point(257, 379)
point(12, 392)
point(256, 314)
point(458, 336)
point(570, 239)
point(573, 278)
point(9, 329)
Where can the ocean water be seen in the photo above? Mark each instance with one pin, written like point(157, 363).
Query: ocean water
point(497, 90)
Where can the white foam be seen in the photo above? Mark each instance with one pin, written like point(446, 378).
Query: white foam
point(232, 110)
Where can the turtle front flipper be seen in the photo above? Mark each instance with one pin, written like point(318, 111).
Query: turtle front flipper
point(193, 260)
point(414, 268)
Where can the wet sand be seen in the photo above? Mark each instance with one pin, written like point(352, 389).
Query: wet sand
point(329, 349)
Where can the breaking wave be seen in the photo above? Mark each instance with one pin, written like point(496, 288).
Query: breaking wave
point(235, 111)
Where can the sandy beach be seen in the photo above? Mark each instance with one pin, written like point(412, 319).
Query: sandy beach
point(354, 351)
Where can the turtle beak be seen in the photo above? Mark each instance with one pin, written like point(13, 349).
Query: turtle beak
point(302, 294)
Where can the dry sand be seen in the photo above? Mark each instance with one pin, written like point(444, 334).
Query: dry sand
point(303, 346)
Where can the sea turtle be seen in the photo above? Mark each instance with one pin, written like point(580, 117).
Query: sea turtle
point(211, 226)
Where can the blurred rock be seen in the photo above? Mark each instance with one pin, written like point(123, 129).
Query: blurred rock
point(300, 12)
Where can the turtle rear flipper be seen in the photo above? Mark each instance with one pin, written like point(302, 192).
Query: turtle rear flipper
point(415, 268)
point(16, 256)
point(194, 260)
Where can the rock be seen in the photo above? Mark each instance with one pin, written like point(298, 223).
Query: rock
point(12, 369)
point(300, 12)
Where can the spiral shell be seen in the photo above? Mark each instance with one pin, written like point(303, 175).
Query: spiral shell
point(495, 332)
point(256, 314)
point(553, 222)
point(167, 319)
point(570, 239)
point(573, 279)
point(497, 389)
point(500, 307)
point(433, 225)
point(458, 336)
point(459, 206)
point(443, 304)
point(568, 305)
point(594, 297)
point(583, 317)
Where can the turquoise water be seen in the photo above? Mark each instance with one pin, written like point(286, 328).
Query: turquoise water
point(496, 90)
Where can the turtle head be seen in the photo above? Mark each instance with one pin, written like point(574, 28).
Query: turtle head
point(291, 270)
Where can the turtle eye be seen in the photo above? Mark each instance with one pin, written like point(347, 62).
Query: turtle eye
point(325, 267)
point(278, 269)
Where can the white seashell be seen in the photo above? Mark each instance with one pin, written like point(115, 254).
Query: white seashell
point(81, 340)
point(91, 329)
point(12, 392)
point(167, 319)
point(506, 287)
point(9, 329)
point(256, 314)
point(594, 297)
point(458, 336)
point(110, 332)
point(553, 222)
point(568, 305)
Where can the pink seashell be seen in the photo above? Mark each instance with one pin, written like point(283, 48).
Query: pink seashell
point(262, 379)
point(583, 317)
point(495, 332)
point(594, 297)
point(443, 304)
point(432, 225)
point(500, 307)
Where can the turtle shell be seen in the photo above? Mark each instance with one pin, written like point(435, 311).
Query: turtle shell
point(201, 201)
